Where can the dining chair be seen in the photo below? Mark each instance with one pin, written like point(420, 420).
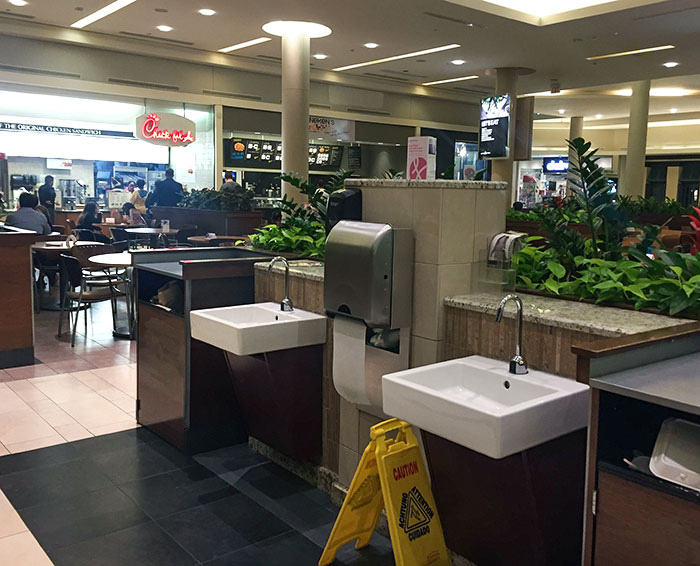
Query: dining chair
point(79, 296)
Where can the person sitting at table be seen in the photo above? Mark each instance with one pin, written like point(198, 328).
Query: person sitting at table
point(27, 218)
point(132, 215)
point(138, 199)
point(90, 219)
point(45, 211)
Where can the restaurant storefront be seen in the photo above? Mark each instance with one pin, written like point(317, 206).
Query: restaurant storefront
point(94, 144)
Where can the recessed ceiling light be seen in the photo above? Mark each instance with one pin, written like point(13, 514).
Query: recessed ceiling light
point(543, 8)
point(244, 44)
point(371, 45)
point(320, 56)
point(19, 3)
point(207, 12)
point(562, 111)
point(102, 13)
point(397, 57)
point(456, 79)
point(670, 64)
point(635, 52)
point(673, 110)
point(164, 28)
point(312, 29)
point(598, 116)
point(458, 61)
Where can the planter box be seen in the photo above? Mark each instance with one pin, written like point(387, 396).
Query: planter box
point(219, 222)
point(675, 222)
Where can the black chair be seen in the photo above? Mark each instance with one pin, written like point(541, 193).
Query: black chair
point(184, 233)
point(59, 229)
point(120, 246)
point(84, 235)
point(79, 295)
point(119, 234)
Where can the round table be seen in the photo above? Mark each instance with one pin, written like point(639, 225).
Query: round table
point(204, 241)
point(121, 261)
point(144, 231)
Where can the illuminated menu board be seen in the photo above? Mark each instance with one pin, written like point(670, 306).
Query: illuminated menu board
point(266, 154)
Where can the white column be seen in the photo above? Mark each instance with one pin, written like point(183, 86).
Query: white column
point(295, 108)
point(637, 140)
point(575, 131)
point(218, 144)
point(502, 169)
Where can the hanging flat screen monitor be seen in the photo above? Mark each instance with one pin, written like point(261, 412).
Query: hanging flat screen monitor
point(494, 126)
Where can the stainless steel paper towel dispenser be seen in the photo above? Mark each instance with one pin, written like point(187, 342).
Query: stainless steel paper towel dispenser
point(369, 273)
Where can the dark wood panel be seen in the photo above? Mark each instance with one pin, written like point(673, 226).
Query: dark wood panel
point(211, 293)
point(610, 346)
point(215, 415)
point(161, 373)
point(636, 526)
point(524, 510)
point(281, 399)
point(16, 297)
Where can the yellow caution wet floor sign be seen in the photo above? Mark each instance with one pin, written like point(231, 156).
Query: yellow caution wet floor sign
point(391, 475)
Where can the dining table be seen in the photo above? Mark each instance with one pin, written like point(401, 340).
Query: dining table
point(119, 265)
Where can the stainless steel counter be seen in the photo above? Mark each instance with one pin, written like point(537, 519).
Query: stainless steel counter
point(673, 383)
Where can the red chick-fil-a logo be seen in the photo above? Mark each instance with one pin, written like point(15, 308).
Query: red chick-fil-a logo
point(151, 131)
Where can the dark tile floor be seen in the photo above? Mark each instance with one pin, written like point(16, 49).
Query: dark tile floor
point(131, 499)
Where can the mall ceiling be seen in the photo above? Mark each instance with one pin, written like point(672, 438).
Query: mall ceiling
point(487, 39)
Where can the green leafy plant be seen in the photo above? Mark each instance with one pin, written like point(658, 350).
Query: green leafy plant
point(635, 206)
point(591, 192)
point(302, 230)
point(229, 199)
point(392, 174)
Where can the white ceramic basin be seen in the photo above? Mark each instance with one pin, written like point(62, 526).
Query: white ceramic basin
point(475, 402)
point(258, 328)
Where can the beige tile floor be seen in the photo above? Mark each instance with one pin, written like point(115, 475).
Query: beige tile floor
point(43, 411)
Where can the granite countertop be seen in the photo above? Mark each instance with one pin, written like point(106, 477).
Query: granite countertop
point(416, 184)
point(305, 269)
point(571, 315)
point(671, 383)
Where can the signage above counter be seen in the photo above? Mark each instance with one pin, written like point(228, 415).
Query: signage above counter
point(494, 127)
point(166, 129)
point(47, 129)
point(341, 130)
point(267, 154)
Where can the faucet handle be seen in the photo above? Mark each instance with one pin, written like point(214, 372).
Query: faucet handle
point(286, 305)
point(518, 366)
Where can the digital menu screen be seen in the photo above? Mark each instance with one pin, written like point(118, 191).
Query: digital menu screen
point(494, 127)
point(266, 154)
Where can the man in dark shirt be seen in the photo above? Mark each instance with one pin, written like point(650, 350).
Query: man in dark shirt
point(27, 218)
point(228, 181)
point(167, 192)
point(47, 197)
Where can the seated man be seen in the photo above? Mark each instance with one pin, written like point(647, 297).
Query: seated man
point(27, 218)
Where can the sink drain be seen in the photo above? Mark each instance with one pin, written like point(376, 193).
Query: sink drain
point(506, 384)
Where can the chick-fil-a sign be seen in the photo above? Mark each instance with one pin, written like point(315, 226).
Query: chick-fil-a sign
point(165, 129)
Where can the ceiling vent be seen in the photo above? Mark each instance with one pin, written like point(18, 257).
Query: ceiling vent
point(369, 111)
point(157, 39)
point(13, 16)
point(323, 106)
point(474, 91)
point(385, 78)
point(453, 20)
point(143, 84)
point(667, 13)
point(231, 94)
point(16, 69)
point(270, 58)
point(402, 74)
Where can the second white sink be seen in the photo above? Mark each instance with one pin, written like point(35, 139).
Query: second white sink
point(253, 329)
point(477, 403)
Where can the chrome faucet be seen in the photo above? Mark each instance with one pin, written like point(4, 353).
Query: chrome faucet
point(286, 304)
point(517, 363)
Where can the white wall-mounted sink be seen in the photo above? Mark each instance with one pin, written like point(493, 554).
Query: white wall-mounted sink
point(253, 329)
point(477, 403)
